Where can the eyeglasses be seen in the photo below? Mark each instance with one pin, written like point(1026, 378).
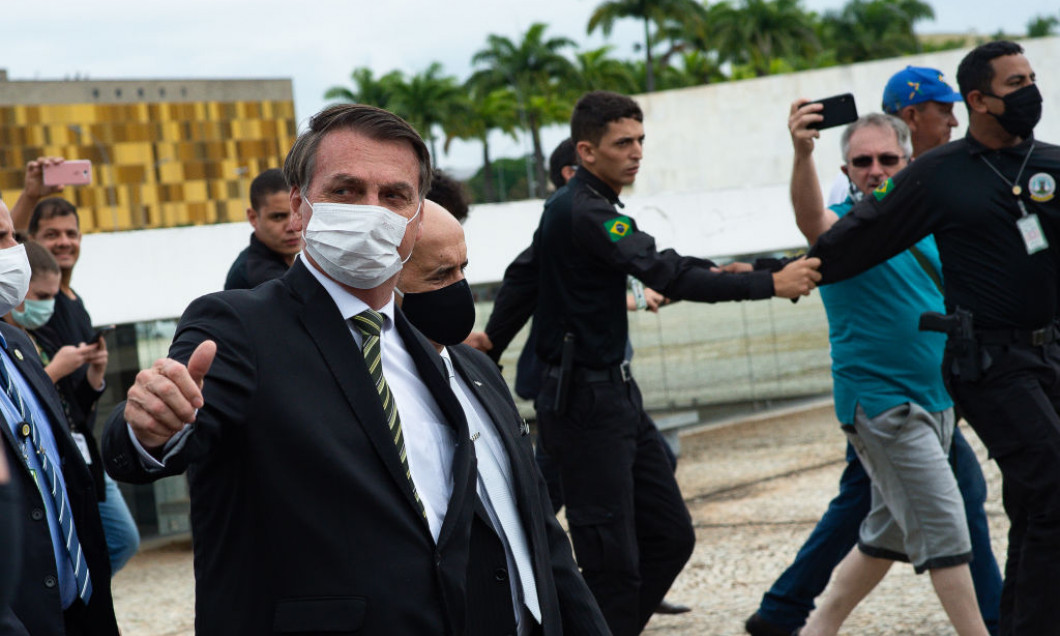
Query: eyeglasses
point(887, 159)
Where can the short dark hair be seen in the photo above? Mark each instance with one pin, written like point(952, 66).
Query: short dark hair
point(595, 110)
point(40, 259)
point(449, 193)
point(50, 208)
point(265, 184)
point(975, 72)
point(374, 123)
point(564, 155)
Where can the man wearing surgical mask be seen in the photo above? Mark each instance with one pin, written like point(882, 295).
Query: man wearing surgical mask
point(990, 201)
point(542, 584)
point(64, 570)
point(332, 484)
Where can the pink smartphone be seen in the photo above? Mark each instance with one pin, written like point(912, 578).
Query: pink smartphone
point(74, 172)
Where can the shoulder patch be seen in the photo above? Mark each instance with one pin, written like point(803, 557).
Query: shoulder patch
point(883, 189)
point(618, 228)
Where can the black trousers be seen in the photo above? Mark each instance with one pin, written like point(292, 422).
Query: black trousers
point(631, 531)
point(1014, 409)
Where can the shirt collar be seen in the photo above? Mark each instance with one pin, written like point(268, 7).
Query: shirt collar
point(348, 304)
point(976, 148)
point(598, 186)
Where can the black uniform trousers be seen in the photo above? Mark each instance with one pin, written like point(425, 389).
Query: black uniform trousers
point(1014, 409)
point(631, 531)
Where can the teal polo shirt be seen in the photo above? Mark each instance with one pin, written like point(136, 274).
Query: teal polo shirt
point(880, 359)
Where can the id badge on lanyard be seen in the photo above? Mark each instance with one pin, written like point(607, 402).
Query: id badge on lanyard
point(1031, 230)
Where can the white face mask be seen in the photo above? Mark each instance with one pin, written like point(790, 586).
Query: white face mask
point(357, 245)
point(14, 277)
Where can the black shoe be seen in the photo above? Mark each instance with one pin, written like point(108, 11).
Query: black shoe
point(666, 607)
point(758, 626)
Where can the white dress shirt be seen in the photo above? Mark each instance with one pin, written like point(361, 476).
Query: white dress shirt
point(429, 440)
point(490, 448)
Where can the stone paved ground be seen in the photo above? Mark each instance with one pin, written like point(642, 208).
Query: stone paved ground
point(755, 489)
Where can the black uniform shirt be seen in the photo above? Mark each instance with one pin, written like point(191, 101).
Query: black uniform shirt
point(255, 265)
point(952, 193)
point(515, 302)
point(585, 248)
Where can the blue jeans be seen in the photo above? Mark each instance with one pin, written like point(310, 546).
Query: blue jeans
point(123, 539)
point(791, 599)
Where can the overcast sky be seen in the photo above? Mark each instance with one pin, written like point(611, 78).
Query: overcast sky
point(318, 42)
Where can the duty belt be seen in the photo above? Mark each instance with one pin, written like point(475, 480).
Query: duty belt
point(617, 373)
point(1034, 338)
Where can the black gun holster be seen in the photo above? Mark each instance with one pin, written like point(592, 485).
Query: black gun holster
point(566, 373)
point(967, 360)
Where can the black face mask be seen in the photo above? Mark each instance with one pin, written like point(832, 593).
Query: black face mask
point(445, 315)
point(1023, 110)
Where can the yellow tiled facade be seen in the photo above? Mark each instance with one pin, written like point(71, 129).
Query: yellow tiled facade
point(155, 163)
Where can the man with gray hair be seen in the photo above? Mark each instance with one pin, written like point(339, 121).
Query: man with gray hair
point(889, 394)
point(921, 98)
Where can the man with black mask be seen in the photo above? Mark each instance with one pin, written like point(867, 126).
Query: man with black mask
point(990, 201)
point(535, 564)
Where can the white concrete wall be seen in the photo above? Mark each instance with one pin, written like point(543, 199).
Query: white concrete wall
point(713, 183)
point(735, 134)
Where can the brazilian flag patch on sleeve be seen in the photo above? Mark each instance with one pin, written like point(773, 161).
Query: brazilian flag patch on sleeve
point(883, 189)
point(618, 228)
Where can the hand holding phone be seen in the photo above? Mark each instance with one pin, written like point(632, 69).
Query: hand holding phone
point(836, 111)
point(75, 172)
point(101, 333)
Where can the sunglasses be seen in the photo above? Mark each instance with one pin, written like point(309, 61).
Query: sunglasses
point(887, 159)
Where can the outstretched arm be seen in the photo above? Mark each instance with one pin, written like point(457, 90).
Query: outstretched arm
point(33, 191)
point(514, 305)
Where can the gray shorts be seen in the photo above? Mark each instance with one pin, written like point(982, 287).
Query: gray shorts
point(917, 512)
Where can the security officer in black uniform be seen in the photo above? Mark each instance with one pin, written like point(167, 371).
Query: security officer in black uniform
point(990, 200)
point(631, 531)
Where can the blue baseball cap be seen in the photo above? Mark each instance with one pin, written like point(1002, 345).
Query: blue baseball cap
point(914, 85)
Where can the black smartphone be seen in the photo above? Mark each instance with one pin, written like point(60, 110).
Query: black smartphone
point(103, 331)
point(837, 111)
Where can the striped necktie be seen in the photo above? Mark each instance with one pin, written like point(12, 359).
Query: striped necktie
point(28, 433)
point(370, 324)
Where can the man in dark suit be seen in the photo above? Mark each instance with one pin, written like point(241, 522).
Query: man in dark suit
point(331, 486)
point(64, 574)
point(538, 583)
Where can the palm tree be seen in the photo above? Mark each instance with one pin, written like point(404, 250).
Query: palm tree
point(697, 68)
point(704, 42)
point(658, 11)
point(426, 100)
point(367, 89)
point(535, 69)
point(758, 31)
point(479, 114)
point(595, 70)
point(1042, 25)
point(874, 29)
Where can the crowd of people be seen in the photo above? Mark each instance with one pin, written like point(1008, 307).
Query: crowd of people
point(356, 463)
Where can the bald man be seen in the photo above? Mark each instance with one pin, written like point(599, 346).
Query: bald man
point(531, 584)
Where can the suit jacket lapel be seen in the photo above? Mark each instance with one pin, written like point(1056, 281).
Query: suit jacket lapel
point(43, 389)
point(329, 332)
point(16, 446)
point(432, 371)
point(501, 417)
point(45, 393)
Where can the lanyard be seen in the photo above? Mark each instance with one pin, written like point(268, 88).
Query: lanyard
point(1014, 184)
